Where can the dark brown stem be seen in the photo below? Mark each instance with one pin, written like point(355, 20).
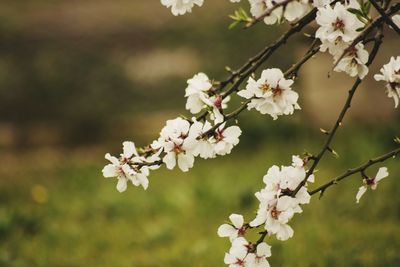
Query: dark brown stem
point(360, 169)
point(385, 16)
point(338, 123)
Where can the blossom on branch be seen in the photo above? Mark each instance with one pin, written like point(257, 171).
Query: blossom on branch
point(180, 7)
point(245, 254)
point(127, 167)
point(199, 96)
point(390, 73)
point(271, 94)
point(371, 182)
point(277, 205)
point(354, 63)
point(234, 230)
point(175, 143)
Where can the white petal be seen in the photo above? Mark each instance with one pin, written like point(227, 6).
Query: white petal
point(382, 173)
point(226, 230)
point(360, 193)
point(121, 185)
point(112, 159)
point(263, 250)
point(110, 171)
point(129, 149)
point(170, 160)
point(237, 220)
point(185, 161)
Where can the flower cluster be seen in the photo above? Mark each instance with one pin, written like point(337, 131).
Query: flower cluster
point(130, 167)
point(182, 140)
point(390, 73)
point(242, 252)
point(179, 143)
point(271, 94)
point(277, 205)
point(338, 29)
point(200, 95)
point(371, 182)
point(290, 11)
point(279, 201)
point(180, 7)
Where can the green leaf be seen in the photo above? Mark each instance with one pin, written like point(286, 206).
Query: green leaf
point(356, 12)
point(233, 25)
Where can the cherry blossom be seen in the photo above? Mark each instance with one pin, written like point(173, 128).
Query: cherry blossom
point(180, 7)
point(197, 89)
point(371, 182)
point(226, 139)
point(337, 24)
point(121, 168)
point(259, 258)
point(259, 7)
point(271, 94)
point(390, 73)
point(354, 62)
point(234, 230)
point(198, 98)
point(175, 143)
point(237, 256)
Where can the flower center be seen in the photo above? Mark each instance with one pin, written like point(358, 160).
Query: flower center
point(275, 213)
point(338, 25)
point(277, 91)
point(370, 182)
point(241, 231)
point(177, 149)
point(219, 135)
point(265, 87)
point(218, 102)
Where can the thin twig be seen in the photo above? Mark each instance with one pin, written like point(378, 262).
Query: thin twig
point(385, 16)
point(360, 169)
point(267, 12)
point(253, 63)
point(374, 24)
point(338, 123)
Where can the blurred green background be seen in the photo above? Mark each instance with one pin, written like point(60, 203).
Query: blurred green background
point(79, 77)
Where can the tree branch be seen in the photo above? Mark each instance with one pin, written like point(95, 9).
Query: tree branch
point(360, 169)
point(346, 107)
point(268, 12)
point(385, 16)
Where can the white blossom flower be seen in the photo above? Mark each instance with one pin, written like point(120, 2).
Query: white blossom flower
point(296, 9)
point(237, 253)
point(259, 258)
point(354, 62)
point(276, 216)
point(321, 3)
point(180, 7)
point(217, 104)
point(176, 144)
point(202, 146)
point(259, 7)
point(226, 139)
point(371, 182)
point(271, 94)
point(198, 97)
point(234, 230)
point(197, 89)
point(396, 20)
point(337, 24)
point(277, 206)
point(121, 169)
point(390, 73)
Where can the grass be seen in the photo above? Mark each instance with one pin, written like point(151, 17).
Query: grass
point(57, 210)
